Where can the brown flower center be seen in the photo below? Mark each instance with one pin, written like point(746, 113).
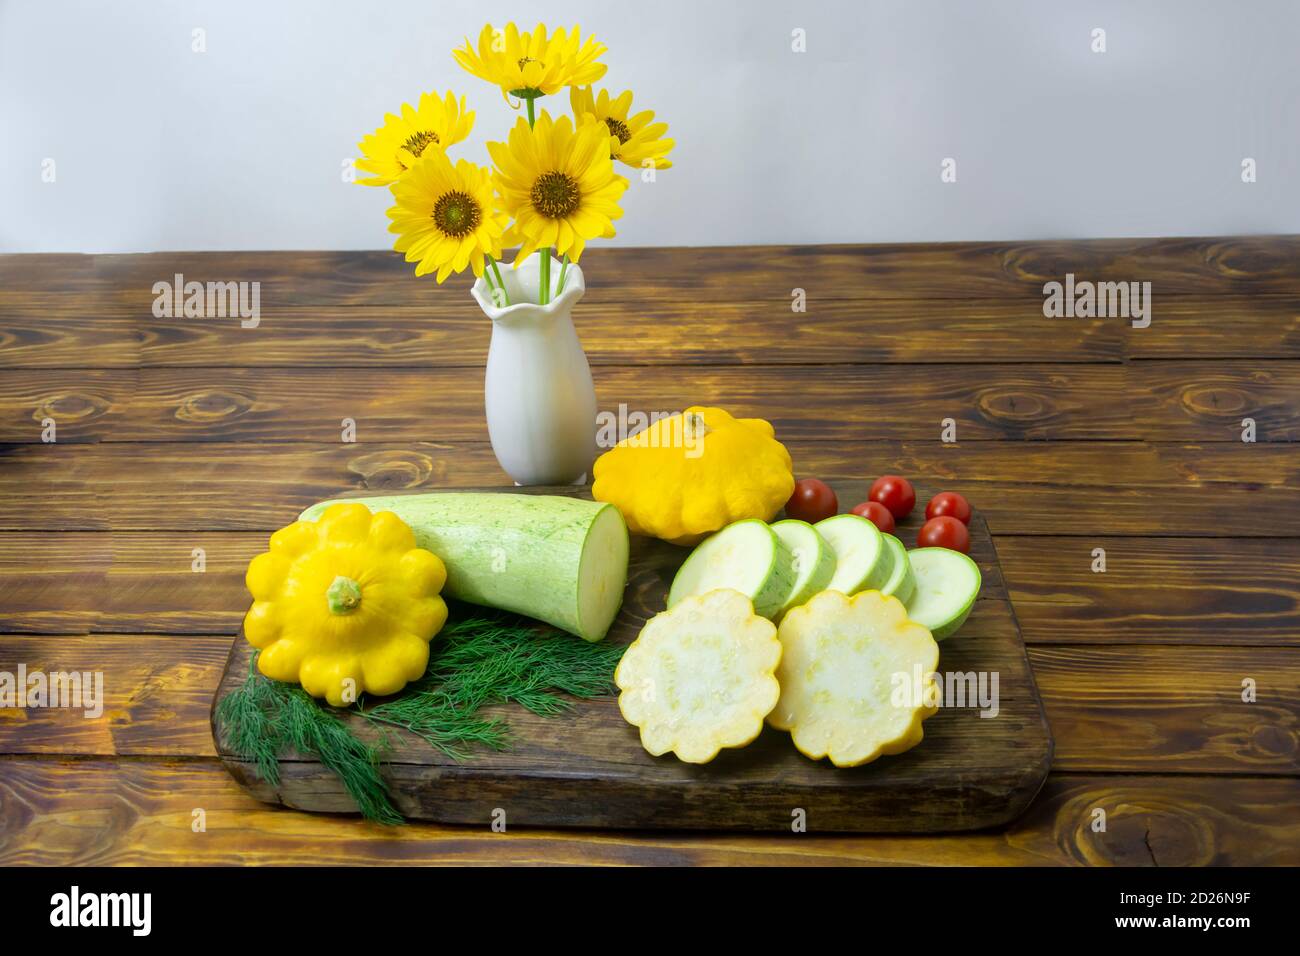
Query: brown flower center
point(419, 141)
point(456, 214)
point(618, 128)
point(555, 195)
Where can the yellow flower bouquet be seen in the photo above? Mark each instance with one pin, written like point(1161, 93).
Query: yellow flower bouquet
point(551, 188)
point(552, 185)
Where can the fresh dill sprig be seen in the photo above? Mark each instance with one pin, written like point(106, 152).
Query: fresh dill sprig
point(264, 718)
point(482, 658)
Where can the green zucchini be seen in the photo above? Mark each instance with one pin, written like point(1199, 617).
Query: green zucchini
point(558, 559)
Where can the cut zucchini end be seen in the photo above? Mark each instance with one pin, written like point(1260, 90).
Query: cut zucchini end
point(947, 584)
point(602, 573)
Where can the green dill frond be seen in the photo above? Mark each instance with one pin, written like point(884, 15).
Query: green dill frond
point(481, 658)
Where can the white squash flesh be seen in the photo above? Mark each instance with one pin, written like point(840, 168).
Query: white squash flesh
point(700, 676)
point(558, 559)
point(849, 674)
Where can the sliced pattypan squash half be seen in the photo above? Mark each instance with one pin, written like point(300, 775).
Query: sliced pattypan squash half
point(687, 475)
point(856, 677)
point(345, 605)
point(700, 676)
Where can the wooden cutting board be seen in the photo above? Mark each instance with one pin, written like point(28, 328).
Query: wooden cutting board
point(587, 768)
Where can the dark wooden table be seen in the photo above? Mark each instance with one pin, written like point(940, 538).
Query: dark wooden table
point(177, 434)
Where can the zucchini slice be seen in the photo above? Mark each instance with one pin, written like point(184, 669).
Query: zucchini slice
point(947, 584)
point(746, 556)
point(902, 583)
point(814, 561)
point(862, 562)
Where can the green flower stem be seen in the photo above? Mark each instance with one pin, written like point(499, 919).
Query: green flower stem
point(564, 267)
point(544, 285)
point(505, 295)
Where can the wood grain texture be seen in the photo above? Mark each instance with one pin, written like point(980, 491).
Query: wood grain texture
point(958, 270)
point(1165, 401)
point(1143, 709)
point(61, 330)
point(156, 695)
point(187, 582)
point(1155, 590)
point(105, 812)
point(1219, 489)
point(1146, 709)
point(588, 768)
point(1200, 531)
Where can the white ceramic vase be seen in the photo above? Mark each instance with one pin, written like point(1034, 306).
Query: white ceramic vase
point(541, 404)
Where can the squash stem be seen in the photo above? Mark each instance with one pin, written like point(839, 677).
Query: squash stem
point(343, 595)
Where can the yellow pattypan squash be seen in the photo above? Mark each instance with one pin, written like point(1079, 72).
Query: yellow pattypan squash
point(345, 605)
point(690, 474)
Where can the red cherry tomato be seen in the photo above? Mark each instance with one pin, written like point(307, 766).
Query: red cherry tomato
point(894, 493)
point(812, 501)
point(949, 503)
point(944, 532)
point(877, 514)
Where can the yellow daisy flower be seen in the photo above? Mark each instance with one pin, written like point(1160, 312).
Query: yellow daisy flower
point(392, 149)
point(558, 183)
point(444, 217)
point(633, 140)
point(528, 65)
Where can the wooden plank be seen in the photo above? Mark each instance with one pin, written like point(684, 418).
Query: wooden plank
point(63, 331)
point(1199, 591)
point(842, 403)
point(1165, 709)
point(1218, 327)
point(188, 582)
point(588, 768)
point(1111, 708)
point(1162, 401)
point(1085, 488)
point(1174, 266)
point(141, 812)
point(58, 330)
point(1155, 590)
point(1208, 401)
point(53, 330)
point(152, 695)
point(84, 404)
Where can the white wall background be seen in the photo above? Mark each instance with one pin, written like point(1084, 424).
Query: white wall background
point(160, 148)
